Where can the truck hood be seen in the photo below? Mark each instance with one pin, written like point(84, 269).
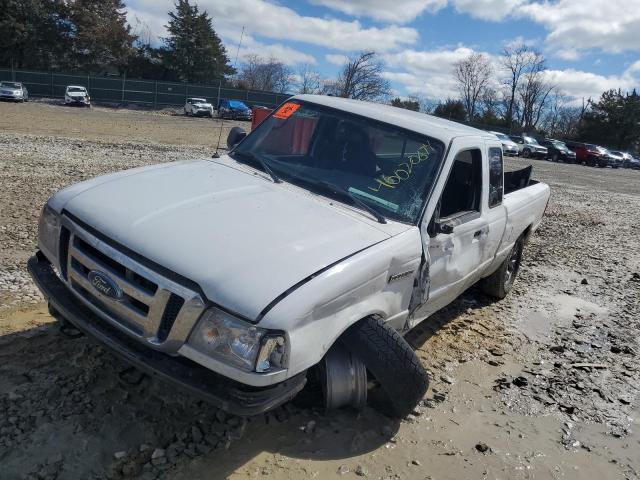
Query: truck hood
point(243, 239)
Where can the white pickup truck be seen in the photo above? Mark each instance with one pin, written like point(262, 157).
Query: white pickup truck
point(300, 257)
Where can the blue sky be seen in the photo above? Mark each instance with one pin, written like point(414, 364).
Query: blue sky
point(590, 45)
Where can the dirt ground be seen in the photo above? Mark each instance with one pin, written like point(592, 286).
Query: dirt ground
point(544, 384)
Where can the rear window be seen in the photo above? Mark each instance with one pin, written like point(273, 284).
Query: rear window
point(495, 177)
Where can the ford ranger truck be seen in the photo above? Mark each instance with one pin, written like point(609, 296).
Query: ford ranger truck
point(299, 257)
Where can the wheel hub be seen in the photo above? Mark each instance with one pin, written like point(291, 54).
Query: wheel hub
point(344, 379)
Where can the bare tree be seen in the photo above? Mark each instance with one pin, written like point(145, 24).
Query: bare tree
point(361, 78)
point(308, 80)
point(563, 118)
point(533, 91)
point(265, 74)
point(473, 75)
point(515, 60)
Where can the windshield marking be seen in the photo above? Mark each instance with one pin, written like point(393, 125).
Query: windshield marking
point(390, 181)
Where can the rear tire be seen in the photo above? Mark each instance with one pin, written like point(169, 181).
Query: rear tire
point(392, 361)
point(500, 282)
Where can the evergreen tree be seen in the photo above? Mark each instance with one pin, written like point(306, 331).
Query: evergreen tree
point(102, 39)
point(408, 104)
point(193, 49)
point(613, 121)
point(451, 109)
point(33, 33)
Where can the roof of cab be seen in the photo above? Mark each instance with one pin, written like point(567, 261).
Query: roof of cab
point(439, 128)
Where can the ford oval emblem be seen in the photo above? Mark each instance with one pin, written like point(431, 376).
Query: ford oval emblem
point(104, 284)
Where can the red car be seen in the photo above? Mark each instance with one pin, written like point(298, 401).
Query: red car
point(588, 154)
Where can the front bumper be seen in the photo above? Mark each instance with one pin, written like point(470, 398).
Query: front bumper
point(227, 394)
point(508, 150)
point(5, 96)
point(78, 101)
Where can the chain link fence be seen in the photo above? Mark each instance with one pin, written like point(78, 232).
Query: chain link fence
point(122, 90)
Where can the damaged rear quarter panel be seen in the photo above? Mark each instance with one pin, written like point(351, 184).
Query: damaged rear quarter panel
point(316, 314)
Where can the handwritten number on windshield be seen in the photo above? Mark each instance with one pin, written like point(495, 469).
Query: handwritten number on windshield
point(400, 174)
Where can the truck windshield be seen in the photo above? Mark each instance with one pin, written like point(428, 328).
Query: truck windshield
point(389, 169)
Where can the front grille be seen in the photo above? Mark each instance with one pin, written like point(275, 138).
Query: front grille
point(147, 305)
point(171, 311)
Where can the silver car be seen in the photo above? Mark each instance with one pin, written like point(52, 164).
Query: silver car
point(509, 147)
point(15, 91)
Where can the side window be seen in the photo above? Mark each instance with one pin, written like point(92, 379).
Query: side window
point(495, 177)
point(462, 192)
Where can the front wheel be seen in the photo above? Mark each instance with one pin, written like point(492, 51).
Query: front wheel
point(402, 379)
point(500, 282)
point(526, 153)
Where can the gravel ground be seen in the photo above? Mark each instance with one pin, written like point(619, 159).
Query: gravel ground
point(544, 384)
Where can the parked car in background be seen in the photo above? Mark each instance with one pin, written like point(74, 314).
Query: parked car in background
point(13, 91)
point(77, 95)
point(509, 147)
point(611, 160)
point(627, 158)
point(198, 107)
point(632, 163)
point(234, 109)
point(529, 146)
point(557, 150)
point(587, 154)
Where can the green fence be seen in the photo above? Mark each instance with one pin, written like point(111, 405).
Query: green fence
point(122, 90)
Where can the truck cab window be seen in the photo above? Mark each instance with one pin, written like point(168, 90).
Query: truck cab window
point(495, 177)
point(462, 191)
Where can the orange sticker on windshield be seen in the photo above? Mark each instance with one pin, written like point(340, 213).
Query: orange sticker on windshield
point(286, 110)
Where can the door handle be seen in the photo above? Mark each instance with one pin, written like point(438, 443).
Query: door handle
point(480, 233)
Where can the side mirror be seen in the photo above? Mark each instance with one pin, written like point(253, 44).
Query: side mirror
point(236, 134)
point(445, 228)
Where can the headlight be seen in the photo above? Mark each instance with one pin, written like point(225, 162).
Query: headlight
point(238, 343)
point(49, 232)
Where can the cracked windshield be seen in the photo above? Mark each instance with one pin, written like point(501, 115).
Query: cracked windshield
point(331, 152)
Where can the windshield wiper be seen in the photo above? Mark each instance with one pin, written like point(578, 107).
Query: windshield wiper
point(337, 189)
point(265, 166)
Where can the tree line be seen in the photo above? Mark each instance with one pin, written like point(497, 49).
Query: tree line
point(94, 37)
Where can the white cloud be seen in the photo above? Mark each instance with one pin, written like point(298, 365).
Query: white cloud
point(430, 73)
point(578, 84)
point(265, 19)
point(285, 54)
point(427, 72)
point(492, 10)
point(401, 11)
point(574, 25)
point(336, 59)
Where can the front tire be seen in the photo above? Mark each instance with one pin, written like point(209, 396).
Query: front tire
point(526, 153)
point(500, 282)
point(391, 360)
